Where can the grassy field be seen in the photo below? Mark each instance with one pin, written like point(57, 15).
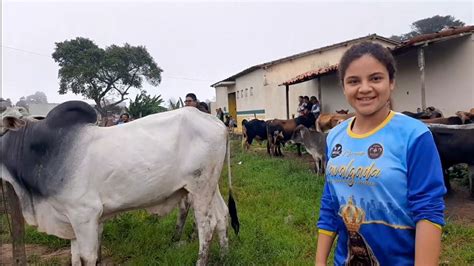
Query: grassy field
point(278, 203)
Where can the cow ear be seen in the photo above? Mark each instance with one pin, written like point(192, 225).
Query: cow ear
point(13, 123)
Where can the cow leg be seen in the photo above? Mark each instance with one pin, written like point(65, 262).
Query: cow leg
point(447, 184)
point(222, 214)
point(316, 165)
point(75, 257)
point(323, 166)
point(99, 249)
point(86, 229)
point(184, 205)
point(298, 149)
point(206, 222)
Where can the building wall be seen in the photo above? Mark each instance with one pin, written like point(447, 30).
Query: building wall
point(221, 98)
point(407, 93)
point(450, 75)
point(449, 82)
point(333, 95)
point(41, 109)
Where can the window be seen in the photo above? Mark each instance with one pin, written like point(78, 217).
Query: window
point(251, 91)
point(237, 94)
point(246, 92)
point(241, 93)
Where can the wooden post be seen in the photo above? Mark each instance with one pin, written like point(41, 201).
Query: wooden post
point(17, 225)
point(320, 95)
point(287, 101)
point(421, 65)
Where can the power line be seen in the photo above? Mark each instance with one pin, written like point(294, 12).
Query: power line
point(193, 79)
point(25, 51)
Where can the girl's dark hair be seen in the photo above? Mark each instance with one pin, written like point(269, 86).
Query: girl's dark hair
point(382, 54)
point(192, 96)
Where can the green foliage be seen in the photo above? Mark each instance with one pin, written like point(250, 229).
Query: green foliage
point(460, 171)
point(429, 25)
point(95, 73)
point(175, 104)
point(144, 105)
point(38, 97)
point(278, 203)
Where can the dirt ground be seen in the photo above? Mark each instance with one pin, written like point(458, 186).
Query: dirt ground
point(460, 206)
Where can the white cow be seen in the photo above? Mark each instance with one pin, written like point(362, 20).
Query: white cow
point(71, 175)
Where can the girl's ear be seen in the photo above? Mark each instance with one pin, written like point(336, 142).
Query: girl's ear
point(392, 85)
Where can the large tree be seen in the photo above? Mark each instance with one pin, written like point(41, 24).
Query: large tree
point(96, 73)
point(429, 25)
point(23, 103)
point(38, 97)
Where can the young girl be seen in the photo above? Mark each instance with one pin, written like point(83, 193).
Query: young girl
point(384, 188)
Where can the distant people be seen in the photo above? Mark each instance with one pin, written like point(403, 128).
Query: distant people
point(231, 123)
point(203, 107)
point(220, 114)
point(301, 105)
point(307, 102)
point(124, 118)
point(316, 107)
point(191, 100)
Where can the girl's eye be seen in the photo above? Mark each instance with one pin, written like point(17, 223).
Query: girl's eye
point(352, 81)
point(377, 78)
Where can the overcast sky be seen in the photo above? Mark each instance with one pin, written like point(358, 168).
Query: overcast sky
point(196, 43)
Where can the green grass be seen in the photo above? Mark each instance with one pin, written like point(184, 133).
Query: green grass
point(278, 204)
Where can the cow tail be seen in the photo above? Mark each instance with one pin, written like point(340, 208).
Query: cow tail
point(234, 219)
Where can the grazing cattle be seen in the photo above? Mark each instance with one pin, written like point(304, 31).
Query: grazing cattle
point(455, 145)
point(280, 131)
point(429, 113)
point(315, 144)
point(254, 129)
point(452, 120)
point(466, 117)
point(327, 121)
point(70, 175)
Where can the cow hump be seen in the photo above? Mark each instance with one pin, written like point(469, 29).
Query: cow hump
point(71, 113)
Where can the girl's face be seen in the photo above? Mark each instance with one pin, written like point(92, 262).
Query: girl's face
point(367, 86)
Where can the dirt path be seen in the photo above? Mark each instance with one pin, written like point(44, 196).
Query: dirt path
point(460, 206)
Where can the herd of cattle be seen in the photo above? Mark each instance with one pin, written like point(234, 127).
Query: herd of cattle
point(454, 136)
point(71, 175)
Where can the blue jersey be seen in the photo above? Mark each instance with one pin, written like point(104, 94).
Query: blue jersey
point(378, 186)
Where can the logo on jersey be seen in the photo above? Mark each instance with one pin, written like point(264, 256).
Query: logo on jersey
point(375, 151)
point(336, 151)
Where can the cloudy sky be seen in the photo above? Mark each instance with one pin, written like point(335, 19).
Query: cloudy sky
point(197, 43)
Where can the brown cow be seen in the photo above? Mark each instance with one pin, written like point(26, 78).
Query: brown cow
point(278, 132)
point(328, 121)
point(466, 117)
point(342, 111)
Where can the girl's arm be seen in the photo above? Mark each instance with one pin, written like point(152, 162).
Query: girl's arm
point(325, 240)
point(427, 243)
